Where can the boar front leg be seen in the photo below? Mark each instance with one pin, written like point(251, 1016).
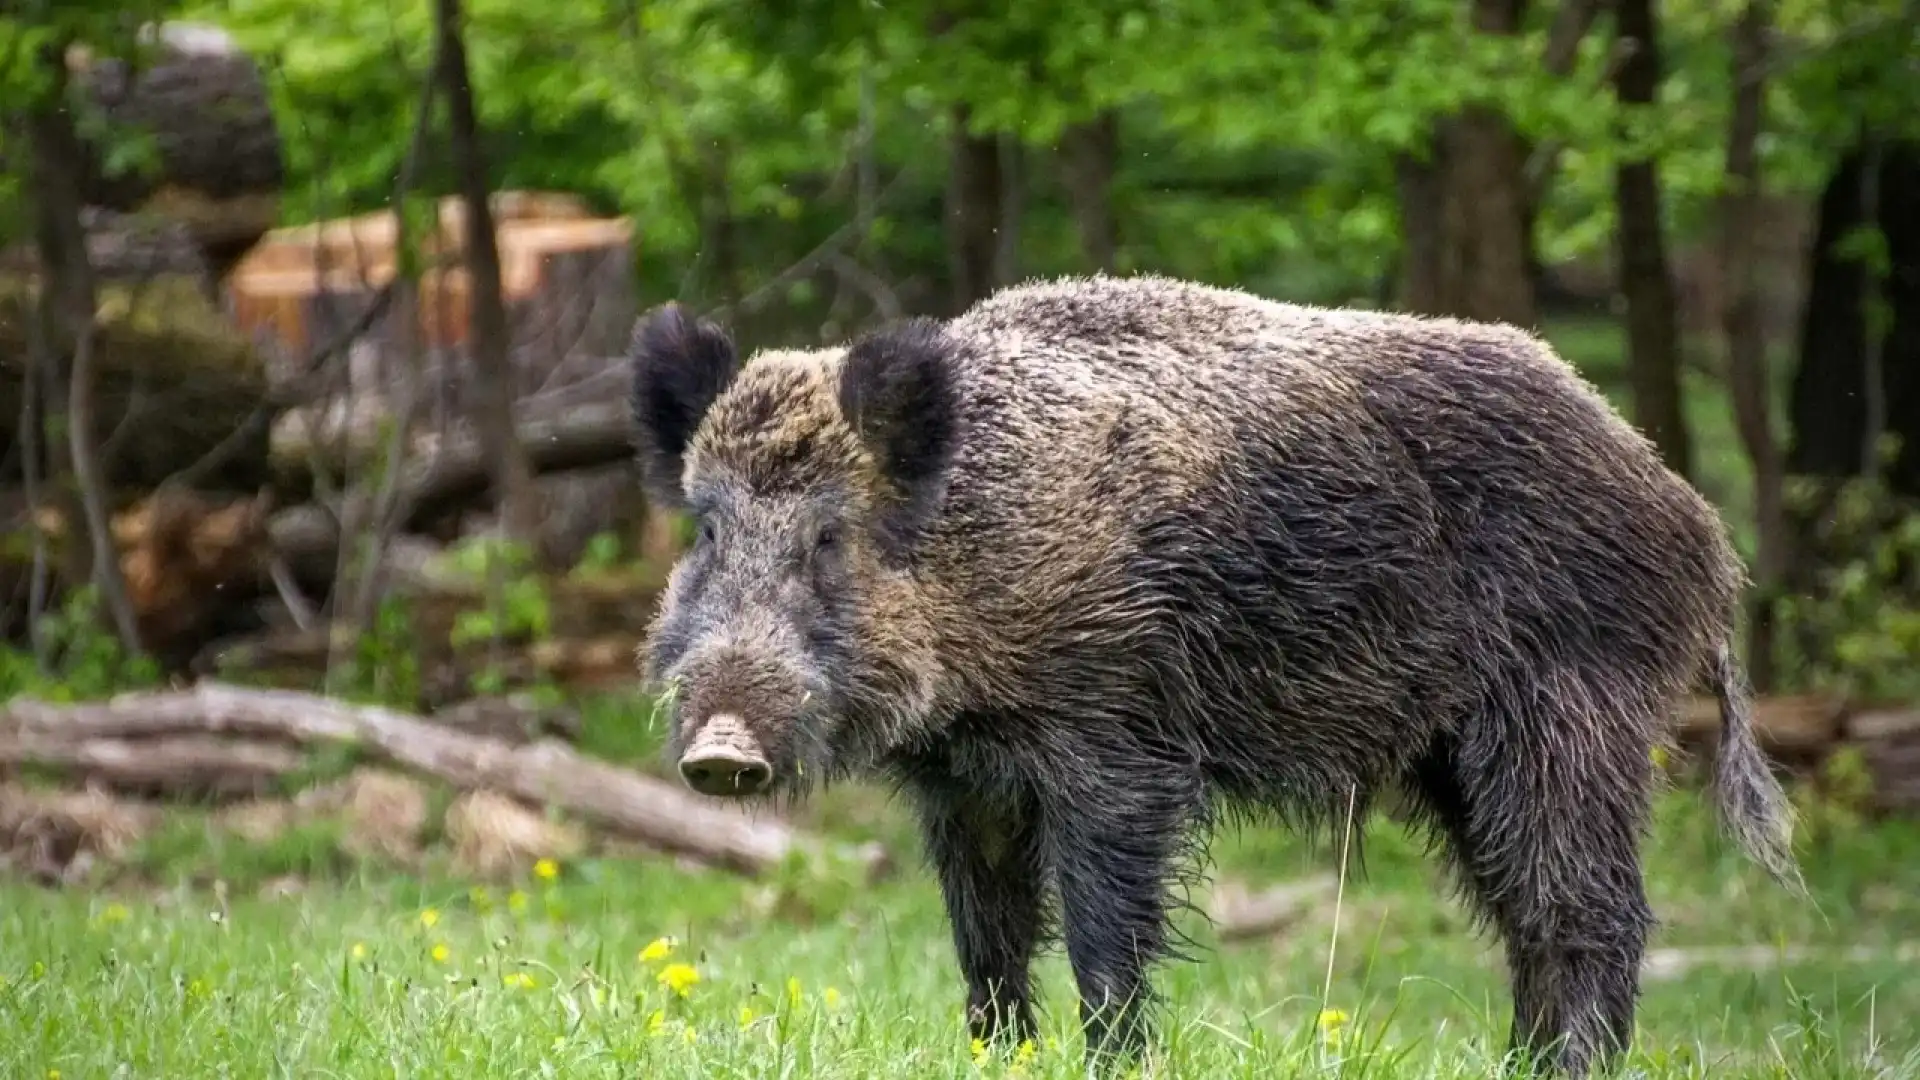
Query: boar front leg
point(1114, 849)
point(987, 856)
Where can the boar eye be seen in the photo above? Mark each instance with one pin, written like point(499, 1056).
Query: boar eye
point(706, 533)
point(827, 537)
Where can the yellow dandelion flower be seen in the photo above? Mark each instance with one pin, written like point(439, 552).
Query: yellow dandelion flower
point(441, 953)
point(516, 901)
point(430, 918)
point(519, 980)
point(746, 1017)
point(793, 991)
point(831, 996)
point(1024, 1052)
point(658, 949)
point(38, 970)
point(678, 977)
point(114, 913)
point(656, 1020)
point(689, 1034)
point(978, 1048)
point(53, 1074)
point(359, 951)
point(546, 869)
point(1659, 757)
point(1330, 1021)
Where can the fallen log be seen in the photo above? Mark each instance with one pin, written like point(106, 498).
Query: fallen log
point(456, 472)
point(191, 564)
point(1802, 731)
point(545, 772)
point(177, 766)
point(1665, 965)
point(1788, 725)
point(1237, 915)
point(174, 380)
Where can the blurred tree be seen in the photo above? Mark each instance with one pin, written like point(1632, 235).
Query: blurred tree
point(45, 134)
point(515, 496)
point(1646, 280)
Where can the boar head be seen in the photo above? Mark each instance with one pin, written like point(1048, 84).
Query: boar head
point(793, 642)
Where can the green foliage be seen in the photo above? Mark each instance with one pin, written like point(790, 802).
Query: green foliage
point(84, 659)
point(1859, 619)
point(516, 607)
point(382, 666)
point(602, 555)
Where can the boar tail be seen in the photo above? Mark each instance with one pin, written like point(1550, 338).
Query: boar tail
point(1753, 809)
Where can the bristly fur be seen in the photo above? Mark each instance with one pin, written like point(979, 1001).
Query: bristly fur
point(1101, 563)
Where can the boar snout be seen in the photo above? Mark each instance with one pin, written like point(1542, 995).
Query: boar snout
point(723, 758)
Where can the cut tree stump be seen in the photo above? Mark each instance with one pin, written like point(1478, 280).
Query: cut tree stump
point(663, 815)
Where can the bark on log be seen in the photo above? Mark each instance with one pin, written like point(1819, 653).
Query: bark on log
point(202, 101)
point(662, 814)
point(179, 766)
point(191, 564)
point(173, 381)
point(1801, 731)
point(456, 473)
point(1786, 725)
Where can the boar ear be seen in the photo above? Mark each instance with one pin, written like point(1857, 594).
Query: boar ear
point(897, 392)
point(679, 368)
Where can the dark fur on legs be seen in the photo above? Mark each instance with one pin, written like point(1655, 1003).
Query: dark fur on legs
point(1549, 855)
point(987, 853)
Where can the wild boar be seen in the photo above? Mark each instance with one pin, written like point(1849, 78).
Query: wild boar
point(1099, 559)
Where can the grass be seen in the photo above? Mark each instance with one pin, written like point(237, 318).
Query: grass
point(369, 972)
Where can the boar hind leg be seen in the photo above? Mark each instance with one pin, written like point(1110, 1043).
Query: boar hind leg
point(991, 877)
point(1543, 818)
point(1115, 853)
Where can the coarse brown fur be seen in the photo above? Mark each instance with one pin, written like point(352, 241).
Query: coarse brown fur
point(1101, 559)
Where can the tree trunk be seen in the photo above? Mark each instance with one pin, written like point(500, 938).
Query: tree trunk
point(1467, 213)
point(1741, 324)
point(1827, 406)
point(488, 337)
point(67, 310)
point(1646, 281)
point(1013, 210)
point(974, 207)
point(1423, 261)
point(1089, 156)
point(1486, 219)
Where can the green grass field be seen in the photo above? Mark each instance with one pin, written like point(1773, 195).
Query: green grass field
point(366, 972)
